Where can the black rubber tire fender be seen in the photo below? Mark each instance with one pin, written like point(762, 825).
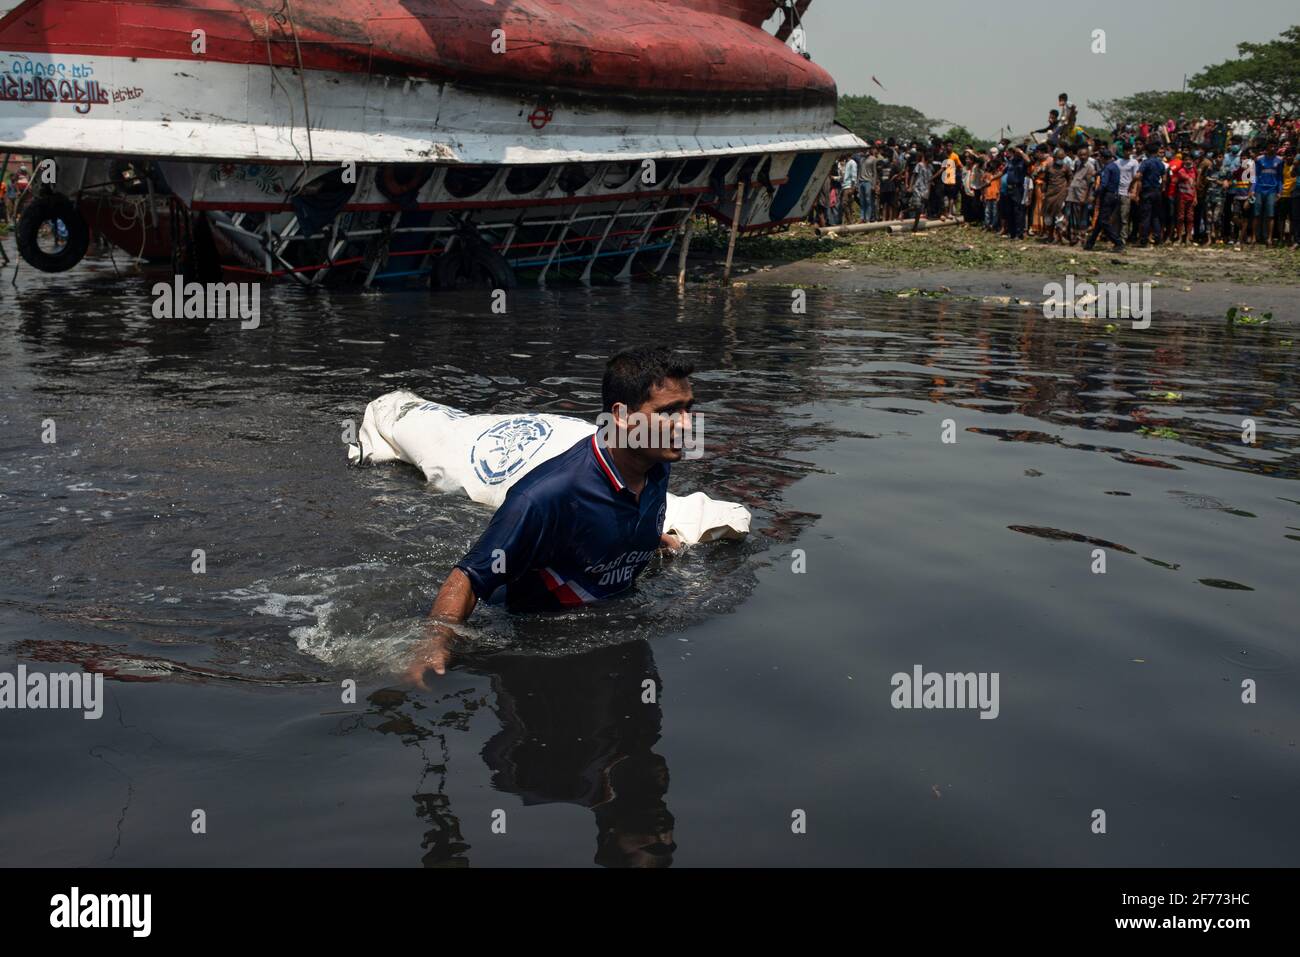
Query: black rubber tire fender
point(473, 258)
point(47, 209)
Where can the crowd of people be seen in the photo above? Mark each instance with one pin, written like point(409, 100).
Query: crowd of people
point(1179, 181)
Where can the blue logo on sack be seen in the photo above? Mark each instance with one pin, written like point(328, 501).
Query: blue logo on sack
point(506, 447)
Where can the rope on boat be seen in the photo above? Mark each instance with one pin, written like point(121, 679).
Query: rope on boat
point(284, 16)
point(293, 123)
point(302, 78)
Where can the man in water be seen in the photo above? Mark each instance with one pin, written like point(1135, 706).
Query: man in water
point(582, 526)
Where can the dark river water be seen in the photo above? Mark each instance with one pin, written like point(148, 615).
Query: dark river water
point(877, 547)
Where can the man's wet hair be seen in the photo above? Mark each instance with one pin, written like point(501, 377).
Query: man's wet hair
point(631, 375)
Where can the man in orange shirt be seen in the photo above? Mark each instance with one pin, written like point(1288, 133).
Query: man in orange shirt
point(992, 189)
point(951, 171)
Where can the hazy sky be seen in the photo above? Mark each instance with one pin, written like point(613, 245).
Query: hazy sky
point(1003, 63)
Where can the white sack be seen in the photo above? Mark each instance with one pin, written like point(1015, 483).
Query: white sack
point(483, 455)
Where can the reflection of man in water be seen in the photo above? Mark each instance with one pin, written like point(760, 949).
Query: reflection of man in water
point(575, 730)
point(582, 526)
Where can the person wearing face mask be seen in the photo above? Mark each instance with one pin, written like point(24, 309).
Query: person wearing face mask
point(1232, 158)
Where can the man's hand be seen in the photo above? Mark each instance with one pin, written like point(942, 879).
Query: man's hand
point(455, 601)
point(433, 653)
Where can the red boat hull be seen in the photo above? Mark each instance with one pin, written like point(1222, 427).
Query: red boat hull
point(652, 49)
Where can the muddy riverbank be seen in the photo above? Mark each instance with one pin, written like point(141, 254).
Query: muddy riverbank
point(968, 263)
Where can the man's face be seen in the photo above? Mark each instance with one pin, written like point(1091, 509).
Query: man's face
point(662, 429)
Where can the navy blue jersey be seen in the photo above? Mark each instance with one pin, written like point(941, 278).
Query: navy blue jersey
point(568, 533)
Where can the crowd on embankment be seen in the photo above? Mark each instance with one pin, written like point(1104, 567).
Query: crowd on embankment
point(1202, 181)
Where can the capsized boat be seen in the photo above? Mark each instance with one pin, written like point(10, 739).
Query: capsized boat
point(463, 142)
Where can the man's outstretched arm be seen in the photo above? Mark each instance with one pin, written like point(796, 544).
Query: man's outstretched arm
point(454, 603)
point(518, 538)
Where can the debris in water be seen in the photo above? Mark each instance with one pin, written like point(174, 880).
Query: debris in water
point(1056, 535)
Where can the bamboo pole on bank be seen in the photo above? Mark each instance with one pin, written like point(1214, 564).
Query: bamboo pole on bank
point(735, 227)
point(898, 225)
point(925, 224)
point(686, 248)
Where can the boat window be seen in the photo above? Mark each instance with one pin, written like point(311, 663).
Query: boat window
point(617, 174)
point(526, 179)
point(574, 176)
point(691, 171)
point(465, 181)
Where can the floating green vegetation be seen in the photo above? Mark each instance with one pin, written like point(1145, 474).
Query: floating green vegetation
point(1243, 317)
point(1168, 396)
point(1160, 433)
